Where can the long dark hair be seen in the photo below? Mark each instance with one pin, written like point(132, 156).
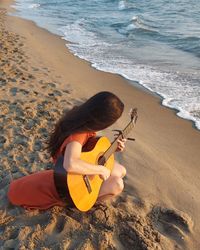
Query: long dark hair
point(97, 113)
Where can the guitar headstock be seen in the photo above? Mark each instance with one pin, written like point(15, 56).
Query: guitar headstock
point(131, 124)
point(133, 114)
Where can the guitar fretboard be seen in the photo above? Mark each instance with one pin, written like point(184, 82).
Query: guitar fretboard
point(114, 144)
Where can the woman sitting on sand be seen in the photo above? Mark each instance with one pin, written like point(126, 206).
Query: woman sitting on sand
point(72, 131)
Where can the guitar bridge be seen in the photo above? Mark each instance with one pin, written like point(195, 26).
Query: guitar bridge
point(87, 183)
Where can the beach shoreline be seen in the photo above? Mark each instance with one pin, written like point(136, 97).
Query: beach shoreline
point(163, 180)
point(166, 100)
point(126, 80)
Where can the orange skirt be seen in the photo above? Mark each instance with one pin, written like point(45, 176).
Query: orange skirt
point(35, 191)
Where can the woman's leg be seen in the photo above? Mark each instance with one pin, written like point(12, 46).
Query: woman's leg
point(114, 184)
point(111, 187)
point(118, 170)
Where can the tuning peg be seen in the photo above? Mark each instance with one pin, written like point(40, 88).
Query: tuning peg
point(130, 111)
point(119, 132)
point(131, 139)
point(133, 114)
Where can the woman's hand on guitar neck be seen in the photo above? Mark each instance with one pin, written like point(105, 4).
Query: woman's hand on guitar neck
point(105, 173)
point(121, 145)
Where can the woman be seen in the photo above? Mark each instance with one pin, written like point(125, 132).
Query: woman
point(71, 133)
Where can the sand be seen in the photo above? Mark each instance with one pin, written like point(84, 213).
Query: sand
point(159, 208)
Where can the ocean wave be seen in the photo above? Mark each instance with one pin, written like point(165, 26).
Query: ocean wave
point(56, 3)
point(76, 33)
point(125, 5)
point(19, 5)
point(136, 23)
point(140, 23)
point(189, 44)
point(141, 26)
point(122, 5)
point(176, 94)
point(33, 6)
point(173, 88)
point(96, 39)
point(192, 115)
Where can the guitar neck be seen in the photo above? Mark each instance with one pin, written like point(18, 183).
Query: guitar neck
point(114, 144)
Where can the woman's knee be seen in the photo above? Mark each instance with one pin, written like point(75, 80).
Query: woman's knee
point(118, 186)
point(123, 171)
point(111, 187)
point(119, 170)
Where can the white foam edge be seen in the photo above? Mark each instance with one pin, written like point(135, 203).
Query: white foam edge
point(165, 100)
point(34, 6)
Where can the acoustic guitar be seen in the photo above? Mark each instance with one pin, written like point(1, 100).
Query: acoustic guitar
point(82, 190)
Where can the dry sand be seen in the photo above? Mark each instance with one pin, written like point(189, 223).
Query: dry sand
point(159, 208)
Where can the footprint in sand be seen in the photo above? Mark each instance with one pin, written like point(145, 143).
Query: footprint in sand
point(2, 140)
point(10, 244)
point(52, 85)
point(55, 93)
point(37, 145)
point(30, 76)
point(24, 91)
point(14, 91)
point(173, 224)
point(21, 140)
point(59, 225)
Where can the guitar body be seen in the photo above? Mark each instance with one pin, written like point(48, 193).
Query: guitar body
point(83, 197)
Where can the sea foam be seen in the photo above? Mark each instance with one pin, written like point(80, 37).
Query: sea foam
point(34, 5)
point(137, 39)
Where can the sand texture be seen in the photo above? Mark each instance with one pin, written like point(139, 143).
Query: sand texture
point(159, 206)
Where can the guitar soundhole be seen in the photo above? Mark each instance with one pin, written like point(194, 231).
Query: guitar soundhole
point(101, 160)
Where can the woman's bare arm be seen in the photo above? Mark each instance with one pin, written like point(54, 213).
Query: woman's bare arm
point(73, 163)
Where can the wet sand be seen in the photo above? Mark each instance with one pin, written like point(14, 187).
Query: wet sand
point(159, 208)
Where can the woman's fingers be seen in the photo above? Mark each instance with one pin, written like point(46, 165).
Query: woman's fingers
point(121, 144)
point(106, 174)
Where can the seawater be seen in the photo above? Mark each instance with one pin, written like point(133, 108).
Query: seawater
point(153, 42)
